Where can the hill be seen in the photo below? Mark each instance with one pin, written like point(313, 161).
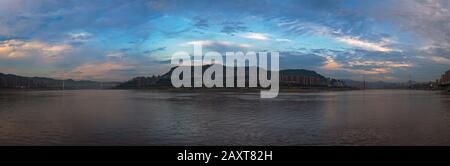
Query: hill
point(12, 81)
point(164, 80)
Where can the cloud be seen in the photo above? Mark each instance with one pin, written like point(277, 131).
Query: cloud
point(115, 55)
point(366, 45)
point(255, 36)
point(372, 71)
point(155, 50)
point(387, 78)
point(81, 36)
point(17, 49)
point(371, 41)
point(201, 23)
point(8, 70)
point(435, 53)
point(231, 27)
point(296, 26)
point(107, 71)
point(283, 40)
point(331, 64)
point(218, 44)
point(427, 19)
point(380, 63)
point(308, 28)
point(440, 60)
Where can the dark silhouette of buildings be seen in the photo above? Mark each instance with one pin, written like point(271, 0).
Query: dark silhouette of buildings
point(302, 78)
point(445, 78)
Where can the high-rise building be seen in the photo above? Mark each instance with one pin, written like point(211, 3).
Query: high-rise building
point(445, 78)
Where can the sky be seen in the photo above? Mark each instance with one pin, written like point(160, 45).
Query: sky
point(115, 40)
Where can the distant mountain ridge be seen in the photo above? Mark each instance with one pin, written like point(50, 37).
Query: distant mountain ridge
point(164, 80)
point(302, 72)
point(12, 81)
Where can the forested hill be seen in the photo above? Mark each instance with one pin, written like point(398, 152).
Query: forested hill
point(164, 80)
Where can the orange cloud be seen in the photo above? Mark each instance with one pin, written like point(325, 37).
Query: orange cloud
point(331, 64)
point(13, 49)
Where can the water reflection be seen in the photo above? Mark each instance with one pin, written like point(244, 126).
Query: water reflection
point(122, 117)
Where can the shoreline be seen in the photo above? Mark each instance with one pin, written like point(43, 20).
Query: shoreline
point(283, 90)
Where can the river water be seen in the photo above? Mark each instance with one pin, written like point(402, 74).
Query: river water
point(156, 117)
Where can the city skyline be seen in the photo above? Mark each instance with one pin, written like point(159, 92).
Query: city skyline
point(386, 40)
